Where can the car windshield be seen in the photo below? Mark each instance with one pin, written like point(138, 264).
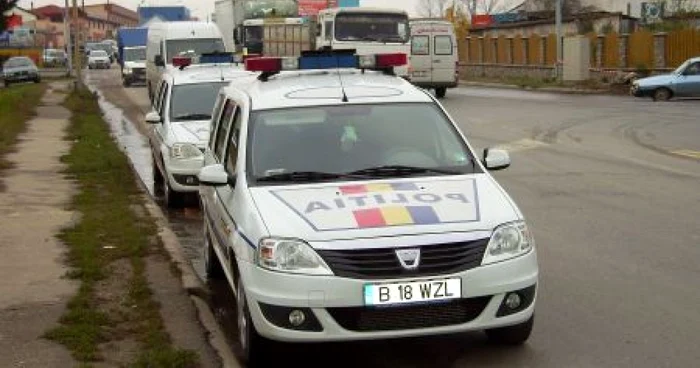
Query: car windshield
point(98, 53)
point(371, 27)
point(190, 102)
point(682, 67)
point(17, 62)
point(135, 54)
point(194, 47)
point(355, 141)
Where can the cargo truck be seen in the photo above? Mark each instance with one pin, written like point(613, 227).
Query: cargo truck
point(131, 43)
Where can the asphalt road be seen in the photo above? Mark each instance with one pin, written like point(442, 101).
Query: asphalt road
point(611, 188)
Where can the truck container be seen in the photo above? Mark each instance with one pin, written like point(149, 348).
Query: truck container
point(131, 43)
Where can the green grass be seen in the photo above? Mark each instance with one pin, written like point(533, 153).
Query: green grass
point(535, 83)
point(109, 230)
point(17, 106)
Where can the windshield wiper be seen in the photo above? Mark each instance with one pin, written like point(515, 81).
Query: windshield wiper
point(193, 117)
point(307, 176)
point(401, 170)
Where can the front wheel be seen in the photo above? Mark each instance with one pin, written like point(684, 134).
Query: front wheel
point(253, 347)
point(662, 94)
point(441, 92)
point(212, 265)
point(512, 335)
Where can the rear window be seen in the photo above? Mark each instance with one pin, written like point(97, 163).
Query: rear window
point(420, 45)
point(443, 45)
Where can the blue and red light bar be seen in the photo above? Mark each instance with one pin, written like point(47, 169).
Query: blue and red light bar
point(273, 65)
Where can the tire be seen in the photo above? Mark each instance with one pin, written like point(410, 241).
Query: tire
point(662, 94)
point(252, 348)
point(171, 198)
point(7, 84)
point(126, 83)
point(212, 265)
point(37, 80)
point(157, 180)
point(440, 92)
point(511, 335)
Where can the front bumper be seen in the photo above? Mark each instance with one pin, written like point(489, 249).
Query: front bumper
point(638, 91)
point(328, 297)
point(136, 75)
point(20, 77)
point(183, 174)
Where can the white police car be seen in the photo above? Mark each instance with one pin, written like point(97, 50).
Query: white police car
point(345, 204)
point(181, 120)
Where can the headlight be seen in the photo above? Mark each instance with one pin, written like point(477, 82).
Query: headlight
point(128, 71)
point(508, 241)
point(292, 256)
point(184, 151)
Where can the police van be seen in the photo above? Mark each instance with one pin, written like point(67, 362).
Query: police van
point(181, 119)
point(434, 55)
point(342, 203)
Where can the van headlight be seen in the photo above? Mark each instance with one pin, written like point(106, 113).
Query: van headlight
point(292, 256)
point(128, 70)
point(508, 241)
point(184, 151)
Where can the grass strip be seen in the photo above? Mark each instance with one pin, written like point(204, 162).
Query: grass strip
point(113, 227)
point(17, 105)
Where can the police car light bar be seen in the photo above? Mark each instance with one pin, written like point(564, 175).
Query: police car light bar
point(181, 61)
point(273, 65)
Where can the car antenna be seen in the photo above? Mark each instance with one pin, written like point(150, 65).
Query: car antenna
point(340, 79)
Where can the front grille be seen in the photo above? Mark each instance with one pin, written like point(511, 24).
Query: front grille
point(139, 71)
point(365, 319)
point(437, 259)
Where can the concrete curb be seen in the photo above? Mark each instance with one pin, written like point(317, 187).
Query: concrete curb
point(561, 90)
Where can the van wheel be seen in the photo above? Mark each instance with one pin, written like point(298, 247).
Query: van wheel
point(511, 335)
point(212, 265)
point(252, 347)
point(440, 92)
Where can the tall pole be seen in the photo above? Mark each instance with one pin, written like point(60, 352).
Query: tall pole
point(67, 39)
point(76, 48)
point(560, 52)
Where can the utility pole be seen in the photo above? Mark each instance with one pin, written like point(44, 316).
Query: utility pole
point(76, 46)
point(560, 51)
point(67, 39)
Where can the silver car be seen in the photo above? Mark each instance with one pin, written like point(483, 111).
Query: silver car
point(683, 82)
point(20, 69)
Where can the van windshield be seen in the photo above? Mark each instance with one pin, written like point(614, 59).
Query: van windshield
point(371, 27)
point(193, 47)
point(383, 139)
point(138, 54)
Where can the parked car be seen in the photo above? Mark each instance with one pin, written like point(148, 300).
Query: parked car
point(99, 59)
point(54, 57)
point(683, 82)
point(20, 69)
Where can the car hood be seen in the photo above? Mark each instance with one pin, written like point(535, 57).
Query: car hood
point(18, 69)
point(98, 58)
point(135, 64)
point(195, 132)
point(656, 80)
point(341, 211)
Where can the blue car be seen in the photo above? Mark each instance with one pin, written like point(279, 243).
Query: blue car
point(683, 82)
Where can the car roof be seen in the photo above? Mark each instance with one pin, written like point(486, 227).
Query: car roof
point(206, 73)
point(25, 58)
point(326, 87)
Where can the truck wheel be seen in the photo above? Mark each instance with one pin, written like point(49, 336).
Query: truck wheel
point(252, 347)
point(440, 92)
point(127, 83)
point(511, 335)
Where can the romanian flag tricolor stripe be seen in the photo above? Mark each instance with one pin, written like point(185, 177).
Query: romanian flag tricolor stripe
point(392, 216)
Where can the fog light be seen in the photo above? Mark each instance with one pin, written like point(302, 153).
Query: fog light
point(297, 318)
point(513, 301)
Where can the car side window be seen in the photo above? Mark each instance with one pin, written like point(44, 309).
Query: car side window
point(215, 120)
point(232, 152)
point(161, 104)
point(693, 69)
point(223, 129)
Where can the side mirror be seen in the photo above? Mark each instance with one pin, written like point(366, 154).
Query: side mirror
point(215, 175)
point(158, 60)
point(153, 118)
point(496, 159)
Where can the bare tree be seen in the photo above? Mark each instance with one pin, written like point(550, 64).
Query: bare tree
point(433, 8)
point(568, 6)
point(472, 7)
point(681, 6)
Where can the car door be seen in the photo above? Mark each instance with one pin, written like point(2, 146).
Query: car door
point(159, 130)
point(210, 196)
point(444, 55)
point(688, 83)
point(421, 60)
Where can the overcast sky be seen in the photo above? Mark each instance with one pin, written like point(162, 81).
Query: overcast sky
point(202, 8)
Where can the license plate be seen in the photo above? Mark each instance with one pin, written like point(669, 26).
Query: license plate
point(412, 292)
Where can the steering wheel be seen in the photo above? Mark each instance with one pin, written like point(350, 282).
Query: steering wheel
point(406, 156)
